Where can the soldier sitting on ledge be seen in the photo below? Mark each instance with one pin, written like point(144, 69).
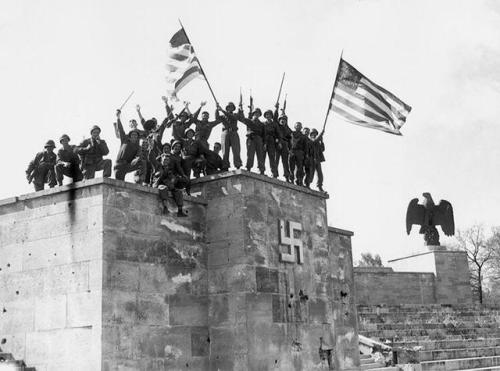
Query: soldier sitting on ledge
point(170, 177)
point(91, 152)
point(41, 168)
point(68, 162)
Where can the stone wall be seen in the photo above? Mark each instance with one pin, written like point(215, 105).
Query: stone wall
point(93, 277)
point(384, 286)
point(265, 312)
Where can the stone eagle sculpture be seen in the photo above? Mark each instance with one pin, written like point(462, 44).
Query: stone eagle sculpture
point(429, 215)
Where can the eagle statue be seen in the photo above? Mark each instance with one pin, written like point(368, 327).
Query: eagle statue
point(429, 215)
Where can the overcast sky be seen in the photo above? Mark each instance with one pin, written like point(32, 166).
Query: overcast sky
point(66, 65)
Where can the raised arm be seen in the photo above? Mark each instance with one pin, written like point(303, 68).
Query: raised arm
point(168, 108)
point(138, 109)
point(121, 132)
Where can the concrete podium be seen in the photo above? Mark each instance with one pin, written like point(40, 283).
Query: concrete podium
point(93, 277)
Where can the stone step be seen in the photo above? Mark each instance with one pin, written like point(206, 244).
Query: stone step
point(371, 366)
point(391, 368)
point(449, 344)
point(461, 363)
point(366, 361)
point(443, 354)
point(365, 356)
point(427, 325)
point(434, 334)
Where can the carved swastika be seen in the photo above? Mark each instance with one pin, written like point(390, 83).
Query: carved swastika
point(290, 236)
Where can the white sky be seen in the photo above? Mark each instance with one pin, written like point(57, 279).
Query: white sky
point(66, 65)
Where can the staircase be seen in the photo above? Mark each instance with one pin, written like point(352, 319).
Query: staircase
point(439, 337)
point(8, 363)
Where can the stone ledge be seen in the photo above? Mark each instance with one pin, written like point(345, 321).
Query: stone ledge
point(343, 232)
point(89, 183)
point(264, 178)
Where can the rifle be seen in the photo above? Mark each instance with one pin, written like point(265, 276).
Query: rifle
point(284, 105)
point(281, 86)
point(250, 107)
point(31, 176)
point(241, 99)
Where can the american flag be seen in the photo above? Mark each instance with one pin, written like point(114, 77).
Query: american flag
point(182, 65)
point(362, 102)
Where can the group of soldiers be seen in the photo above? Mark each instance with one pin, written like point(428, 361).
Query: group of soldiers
point(169, 165)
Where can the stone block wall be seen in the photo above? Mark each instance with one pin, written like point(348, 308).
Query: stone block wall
point(264, 312)
point(93, 277)
point(50, 278)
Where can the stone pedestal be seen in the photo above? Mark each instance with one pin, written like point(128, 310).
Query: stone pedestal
point(93, 277)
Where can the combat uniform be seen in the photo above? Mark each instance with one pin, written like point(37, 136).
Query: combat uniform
point(170, 177)
point(255, 143)
point(67, 164)
point(308, 162)
point(91, 153)
point(272, 140)
point(193, 157)
point(296, 157)
point(129, 154)
point(203, 129)
point(214, 164)
point(230, 139)
point(318, 147)
point(282, 152)
point(41, 169)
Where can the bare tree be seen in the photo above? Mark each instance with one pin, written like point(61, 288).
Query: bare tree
point(480, 254)
point(369, 260)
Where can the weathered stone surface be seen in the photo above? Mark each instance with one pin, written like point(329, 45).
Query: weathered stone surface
point(123, 287)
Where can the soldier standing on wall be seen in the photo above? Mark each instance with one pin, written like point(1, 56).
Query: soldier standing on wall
point(255, 135)
point(229, 137)
point(180, 124)
point(318, 147)
point(193, 155)
point(203, 127)
point(282, 151)
point(91, 152)
point(297, 150)
point(272, 139)
point(41, 169)
point(68, 162)
point(129, 155)
point(308, 159)
point(170, 177)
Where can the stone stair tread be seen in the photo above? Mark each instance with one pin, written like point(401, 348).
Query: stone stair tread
point(366, 361)
point(492, 368)
point(365, 356)
point(371, 366)
point(458, 359)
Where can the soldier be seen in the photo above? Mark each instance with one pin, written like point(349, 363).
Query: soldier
point(192, 155)
point(91, 152)
point(318, 147)
point(170, 177)
point(203, 127)
point(41, 169)
point(229, 137)
point(308, 161)
point(67, 162)
point(255, 134)
point(282, 152)
point(215, 163)
point(272, 139)
point(296, 157)
point(129, 155)
point(180, 124)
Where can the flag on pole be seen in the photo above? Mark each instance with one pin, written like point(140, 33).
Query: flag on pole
point(182, 65)
point(360, 101)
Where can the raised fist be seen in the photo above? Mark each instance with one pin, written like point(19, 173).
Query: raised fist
point(164, 98)
point(203, 103)
point(118, 113)
point(137, 107)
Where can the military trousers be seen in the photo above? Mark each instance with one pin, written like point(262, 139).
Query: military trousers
point(122, 168)
point(90, 169)
point(255, 147)
point(308, 170)
point(70, 170)
point(230, 140)
point(282, 154)
point(296, 160)
point(44, 173)
point(270, 152)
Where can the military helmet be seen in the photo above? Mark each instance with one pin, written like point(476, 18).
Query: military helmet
point(268, 112)
point(49, 143)
point(187, 131)
point(176, 142)
point(230, 104)
point(166, 144)
point(283, 117)
point(257, 110)
point(95, 127)
point(149, 124)
point(64, 136)
point(134, 131)
point(314, 131)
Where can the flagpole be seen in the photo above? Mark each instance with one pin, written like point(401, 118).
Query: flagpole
point(201, 68)
point(333, 90)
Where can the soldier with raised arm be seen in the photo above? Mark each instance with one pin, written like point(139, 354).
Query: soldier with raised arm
point(67, 162)
point(170, 177)
point(41, 169)
point(91, 153)
point(129, 154)
point(203, 127)
point(317, 149)
point(230, 139)
point(272, 139)
point(282, 151)
point(296, 157)
point(255, 135)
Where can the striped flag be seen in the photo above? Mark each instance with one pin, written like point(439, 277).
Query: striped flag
point(362, 102)
point(182, 64)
